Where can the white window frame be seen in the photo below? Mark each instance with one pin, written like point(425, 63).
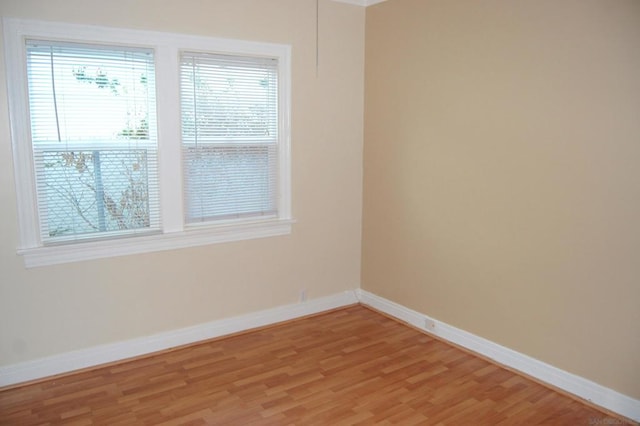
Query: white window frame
point(175, 234)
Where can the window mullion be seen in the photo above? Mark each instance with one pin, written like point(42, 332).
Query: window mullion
point(168, 96)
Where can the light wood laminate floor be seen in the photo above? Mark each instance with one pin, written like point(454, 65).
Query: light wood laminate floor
point(345, 367)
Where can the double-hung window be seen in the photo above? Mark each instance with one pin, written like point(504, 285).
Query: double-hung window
point(229, 136)
point(133, 141)
point(93, 140)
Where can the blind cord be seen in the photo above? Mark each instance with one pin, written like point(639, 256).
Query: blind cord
point(53, 89)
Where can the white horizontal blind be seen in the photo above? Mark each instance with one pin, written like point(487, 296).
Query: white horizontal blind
point(94, 139)
point(229, 110)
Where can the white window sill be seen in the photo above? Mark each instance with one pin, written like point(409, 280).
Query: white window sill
point(52, 255)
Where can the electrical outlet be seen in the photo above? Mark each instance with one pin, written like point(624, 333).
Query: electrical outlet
point(303, 295)
point(429, 324)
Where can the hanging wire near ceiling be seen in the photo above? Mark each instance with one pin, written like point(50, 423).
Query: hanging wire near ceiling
point(317, 36)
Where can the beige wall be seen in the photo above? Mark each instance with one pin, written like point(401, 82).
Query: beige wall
point(52, 310)
point(501, 174)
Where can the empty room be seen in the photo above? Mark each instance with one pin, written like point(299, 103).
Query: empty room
point(320, 212)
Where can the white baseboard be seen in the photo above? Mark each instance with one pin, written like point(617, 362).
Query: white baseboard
point(576, 385)
point(103, 354)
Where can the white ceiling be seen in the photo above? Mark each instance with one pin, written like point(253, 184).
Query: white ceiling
point(361, 2)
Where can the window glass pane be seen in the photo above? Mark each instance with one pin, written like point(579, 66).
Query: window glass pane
point(93, 191)
point(229, 182)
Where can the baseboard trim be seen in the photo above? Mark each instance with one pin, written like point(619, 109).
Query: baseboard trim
point(104, 354)
point(576, 385)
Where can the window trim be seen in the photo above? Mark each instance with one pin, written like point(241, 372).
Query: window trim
point(175, 232)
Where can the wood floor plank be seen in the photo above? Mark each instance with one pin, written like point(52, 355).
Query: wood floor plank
point(351, 366)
